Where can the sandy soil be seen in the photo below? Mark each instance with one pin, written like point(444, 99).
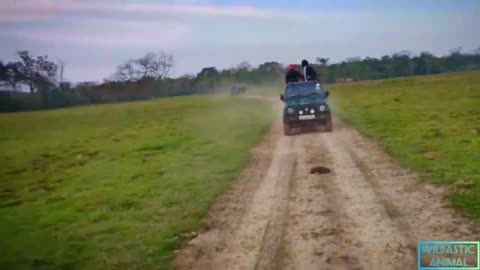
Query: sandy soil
point(366, 213)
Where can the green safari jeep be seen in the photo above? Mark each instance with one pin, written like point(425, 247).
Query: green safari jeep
point(305, 105)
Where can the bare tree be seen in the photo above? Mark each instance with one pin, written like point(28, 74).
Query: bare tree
point(152, 65)
point(164, 64)
point(126, 72)
point(147, 65)
point(61, 66)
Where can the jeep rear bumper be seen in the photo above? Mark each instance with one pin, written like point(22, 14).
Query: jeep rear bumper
point(294, 119)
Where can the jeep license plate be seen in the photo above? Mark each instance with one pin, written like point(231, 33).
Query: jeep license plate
point(306, 117)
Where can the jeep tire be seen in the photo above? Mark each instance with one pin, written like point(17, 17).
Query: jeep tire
point(328, 124)
point(287, 130)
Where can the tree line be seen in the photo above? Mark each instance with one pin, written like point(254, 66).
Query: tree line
point(399, 64)
point(37, 82)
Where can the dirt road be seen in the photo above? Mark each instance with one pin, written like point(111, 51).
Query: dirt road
point(366, 213)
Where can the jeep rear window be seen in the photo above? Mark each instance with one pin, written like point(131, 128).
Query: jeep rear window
point(303, 89)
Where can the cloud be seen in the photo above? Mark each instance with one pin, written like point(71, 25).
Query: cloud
point(128, 25)
point(107, 35)
point(14, 10)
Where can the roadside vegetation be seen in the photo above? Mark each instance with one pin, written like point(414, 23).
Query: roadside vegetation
point(430, 124)
point(118, 186)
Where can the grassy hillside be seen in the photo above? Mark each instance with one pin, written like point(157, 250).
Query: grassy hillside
point(431, 124)
point(117, 186)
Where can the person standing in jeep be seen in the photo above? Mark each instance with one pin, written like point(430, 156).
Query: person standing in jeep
point(308, 72)
point(293, 75)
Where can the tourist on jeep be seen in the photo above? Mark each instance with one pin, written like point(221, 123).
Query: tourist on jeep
point(293, 75)
point(308, 72)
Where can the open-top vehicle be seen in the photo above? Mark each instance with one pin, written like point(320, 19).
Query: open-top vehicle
point(305, 105)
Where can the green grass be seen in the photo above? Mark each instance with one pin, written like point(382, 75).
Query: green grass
point(116, 186)
point(430, 124)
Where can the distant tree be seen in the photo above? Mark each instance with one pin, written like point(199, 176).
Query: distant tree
point(37, 73)
point(352, 67)
point(457, 50)
point(402, 66)
point(456, 60)
point(152, 65)
point(423, 63)
point(273, 67)
point(65, 86)
point(3, 74)
point(187, 77)
point(405, 53)
point(353, 59)
point(206, 80)
point(244, 66)
point(87, 91)
point(322, 61)
point(86, 84)
point(9, 75)
point(126, 72)
point(207, 72)
point(267, 72)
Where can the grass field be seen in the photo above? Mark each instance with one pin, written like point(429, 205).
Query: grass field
point(117, 186)
point(430, 123)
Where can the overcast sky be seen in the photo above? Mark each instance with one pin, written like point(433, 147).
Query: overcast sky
point(94, 36)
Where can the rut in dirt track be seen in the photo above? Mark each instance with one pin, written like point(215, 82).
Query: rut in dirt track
point(366, 213)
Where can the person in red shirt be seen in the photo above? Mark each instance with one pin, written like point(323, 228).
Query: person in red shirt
point(293, 75)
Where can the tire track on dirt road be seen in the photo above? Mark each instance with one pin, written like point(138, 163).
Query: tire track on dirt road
point(253, 243)
point(344, 225)
point(367, 213)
